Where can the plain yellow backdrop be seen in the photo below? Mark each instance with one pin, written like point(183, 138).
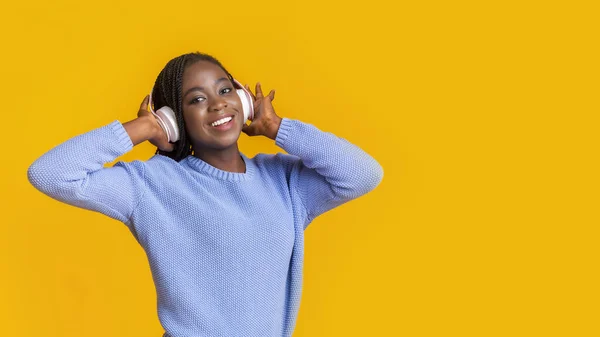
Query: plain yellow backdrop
point(483, 114)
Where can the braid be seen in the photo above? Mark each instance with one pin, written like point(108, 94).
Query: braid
point(168, 89)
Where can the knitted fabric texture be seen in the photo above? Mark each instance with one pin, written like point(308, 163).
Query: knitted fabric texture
point(225, 249)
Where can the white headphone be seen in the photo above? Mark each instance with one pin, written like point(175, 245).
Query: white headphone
point(166, 116)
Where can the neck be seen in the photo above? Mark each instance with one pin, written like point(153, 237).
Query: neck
point(228, 159)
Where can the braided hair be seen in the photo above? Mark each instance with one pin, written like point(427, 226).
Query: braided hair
point(168, 91)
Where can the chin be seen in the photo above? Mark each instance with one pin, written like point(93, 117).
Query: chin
point(225, 142)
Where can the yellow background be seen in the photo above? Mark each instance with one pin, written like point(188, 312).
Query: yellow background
point(483, 114)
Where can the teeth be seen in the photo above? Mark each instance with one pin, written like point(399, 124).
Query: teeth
point(221, 121)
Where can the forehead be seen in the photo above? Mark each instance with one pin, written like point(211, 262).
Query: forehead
point(201, 73)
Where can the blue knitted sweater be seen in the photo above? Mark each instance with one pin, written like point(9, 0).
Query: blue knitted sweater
point(225, 249)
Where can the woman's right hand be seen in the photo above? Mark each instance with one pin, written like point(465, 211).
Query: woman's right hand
point(158, 136)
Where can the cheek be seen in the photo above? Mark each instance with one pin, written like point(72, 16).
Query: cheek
point(236, 102)
point(193, 123)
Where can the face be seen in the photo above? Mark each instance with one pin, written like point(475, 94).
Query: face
point(208, 97)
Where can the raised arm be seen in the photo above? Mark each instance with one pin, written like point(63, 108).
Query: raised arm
point(331, 170)
point(73, 172)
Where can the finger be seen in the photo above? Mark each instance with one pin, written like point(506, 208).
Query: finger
point(250, 91)
point(170, 147)
point(245, 129)
point(272, 94)
point(144, 105)
point(259, 93)
point(257, 104)
point(250, 130)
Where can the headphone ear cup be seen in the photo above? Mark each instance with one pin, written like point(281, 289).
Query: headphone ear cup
point(166, 116)
point(247, 102)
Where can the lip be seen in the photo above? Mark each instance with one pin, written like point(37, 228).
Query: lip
point(221, 117)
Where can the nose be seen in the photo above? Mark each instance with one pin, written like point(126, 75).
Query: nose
point(218, 104)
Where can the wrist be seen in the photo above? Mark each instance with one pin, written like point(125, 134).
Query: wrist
point(274, 127)
point(152, 128)
point(139, 129)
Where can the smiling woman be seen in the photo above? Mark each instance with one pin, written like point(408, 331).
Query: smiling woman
point(224, 233)
point(211, 98)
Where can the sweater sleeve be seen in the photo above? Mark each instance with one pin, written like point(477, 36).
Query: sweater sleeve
point(331, 170)
point(73, 172)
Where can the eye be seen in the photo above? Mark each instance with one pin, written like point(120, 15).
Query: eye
point(195, 100)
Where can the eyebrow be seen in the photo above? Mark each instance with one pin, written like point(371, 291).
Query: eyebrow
point(202, 88)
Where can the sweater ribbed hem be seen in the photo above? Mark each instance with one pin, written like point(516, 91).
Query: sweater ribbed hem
point(123, 140)
point(284, 130)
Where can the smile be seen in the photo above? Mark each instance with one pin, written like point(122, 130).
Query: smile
point(223, 124)
point(222, 121)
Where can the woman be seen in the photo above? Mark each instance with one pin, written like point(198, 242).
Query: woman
point(224, 233)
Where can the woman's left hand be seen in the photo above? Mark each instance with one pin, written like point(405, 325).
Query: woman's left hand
point(265, 122)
